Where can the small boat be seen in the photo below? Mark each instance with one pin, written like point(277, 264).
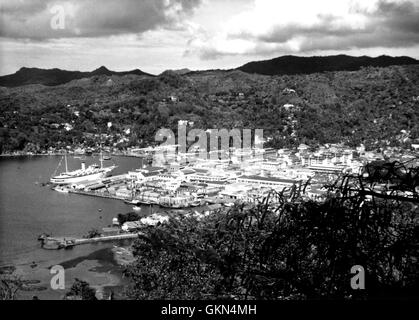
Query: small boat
point(229, 204)
point(138, 202)
point(134, 202)
point(61, 189)
point(107, 158)
point(136, 209)
point(52, 244)
point(172, 205)
point(57, 243)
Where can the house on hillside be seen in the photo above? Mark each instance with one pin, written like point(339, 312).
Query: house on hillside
point(288, 91)
point(288, 106)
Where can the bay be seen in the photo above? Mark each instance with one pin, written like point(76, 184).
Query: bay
point(28, 209)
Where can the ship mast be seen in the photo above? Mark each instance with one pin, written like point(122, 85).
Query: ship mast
point(101, 157)
point(66, 166)
point(101, 153)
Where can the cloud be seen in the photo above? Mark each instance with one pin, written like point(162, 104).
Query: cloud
point(304, 26)
point(31, 19)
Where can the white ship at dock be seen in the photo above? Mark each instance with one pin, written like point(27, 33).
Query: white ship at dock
point(91, 173)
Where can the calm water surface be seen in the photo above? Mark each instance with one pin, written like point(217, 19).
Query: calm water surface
point(28, 209)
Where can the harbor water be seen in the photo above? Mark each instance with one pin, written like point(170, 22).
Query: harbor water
point(29, 208)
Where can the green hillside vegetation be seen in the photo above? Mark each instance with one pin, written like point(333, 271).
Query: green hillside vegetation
point(372, 105)
point(305, 65)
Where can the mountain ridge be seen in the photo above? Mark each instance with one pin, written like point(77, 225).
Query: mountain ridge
point(377, 107)
point(291, 65)
point(56, 76)
point(284, 65)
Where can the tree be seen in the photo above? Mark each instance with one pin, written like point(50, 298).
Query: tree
point(285, 247)
point(81, 290)
point(93, 233)
point(131, 216)
point(10, 285)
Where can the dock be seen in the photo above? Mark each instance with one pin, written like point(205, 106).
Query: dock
point(96, 194)
point(108, 238)
point(56, 243)
point(159, 202)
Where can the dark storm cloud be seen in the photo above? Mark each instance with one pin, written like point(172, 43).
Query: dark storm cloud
point(90, 18)
point(400, 17)
point(387, 24)
point(390, 25)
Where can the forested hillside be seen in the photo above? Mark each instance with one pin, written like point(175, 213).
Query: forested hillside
point(376, 106)
point(305, 65)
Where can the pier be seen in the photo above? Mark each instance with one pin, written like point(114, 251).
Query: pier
point(56, 243)
point(157, 201)
point(96, 194)
point(108, 238)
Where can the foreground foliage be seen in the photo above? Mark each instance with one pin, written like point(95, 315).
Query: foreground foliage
point(10, 284)
point(297, 249)
point(81, 290)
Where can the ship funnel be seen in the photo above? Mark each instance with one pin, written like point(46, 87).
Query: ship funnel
point(83, 166)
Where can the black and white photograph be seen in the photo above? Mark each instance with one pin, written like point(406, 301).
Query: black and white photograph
point(209, 155)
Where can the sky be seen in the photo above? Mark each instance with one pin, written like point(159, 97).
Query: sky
point(156, 35)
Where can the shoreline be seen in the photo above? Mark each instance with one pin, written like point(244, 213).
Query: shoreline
point(101, 269)
point(6, 155)
point(11, 155)
point(27, 261)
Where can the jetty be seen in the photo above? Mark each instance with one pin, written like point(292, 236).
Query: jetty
point(56, 243)
point(98, 195)
point(152, 198)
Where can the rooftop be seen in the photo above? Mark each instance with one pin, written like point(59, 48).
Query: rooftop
point(150, 174)
point(273, 179)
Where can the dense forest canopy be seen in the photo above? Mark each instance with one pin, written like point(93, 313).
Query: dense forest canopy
point(374, 106)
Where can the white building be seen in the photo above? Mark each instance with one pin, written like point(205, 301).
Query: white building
point(268, 182)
